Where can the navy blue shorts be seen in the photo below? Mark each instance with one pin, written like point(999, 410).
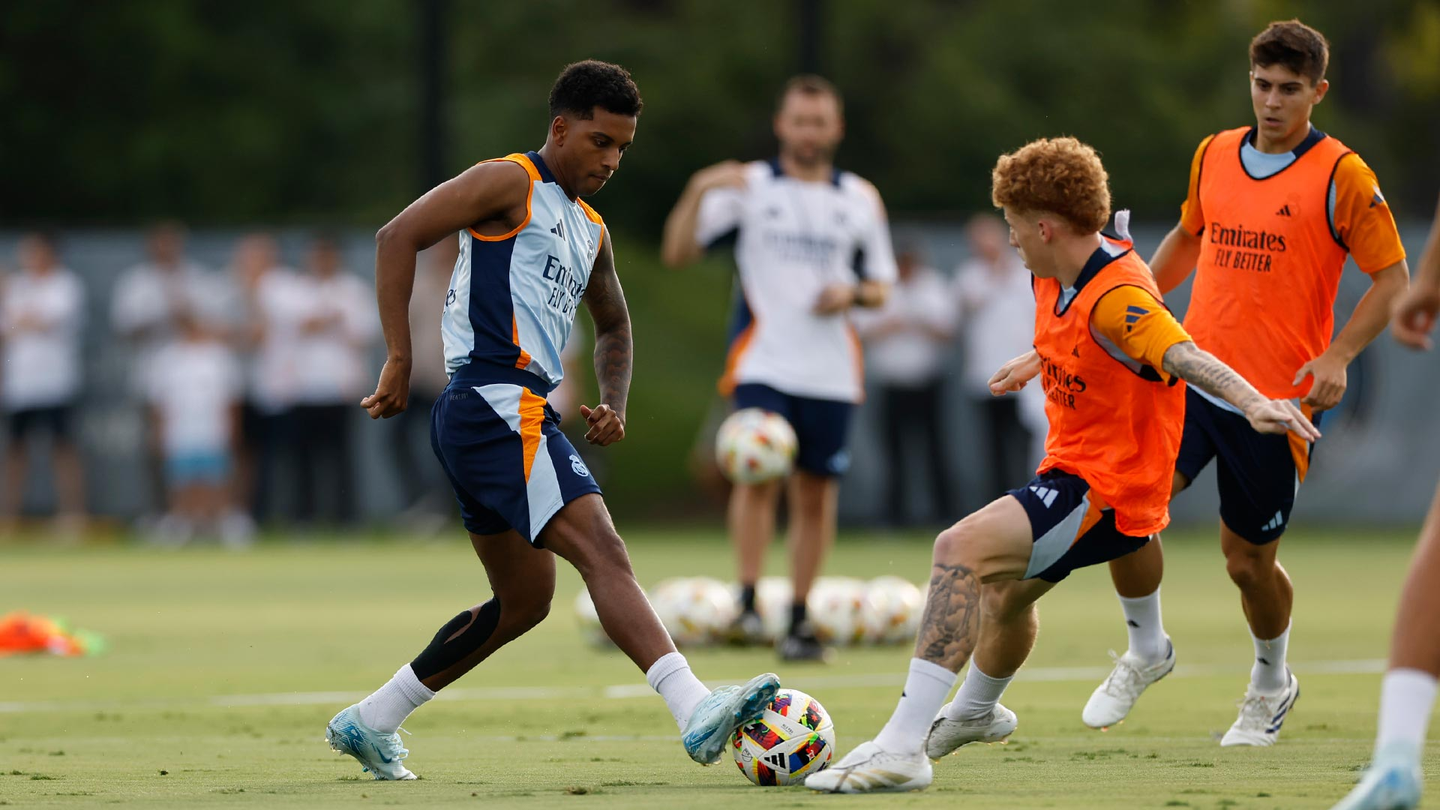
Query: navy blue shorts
point(821, 426)
point(1258, 474)
point(501, 447)
point(1070, 530)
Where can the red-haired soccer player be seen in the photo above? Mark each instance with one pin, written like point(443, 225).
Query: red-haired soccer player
point(1109, 355)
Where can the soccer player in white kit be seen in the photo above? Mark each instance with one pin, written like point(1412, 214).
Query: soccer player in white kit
point(812, 241)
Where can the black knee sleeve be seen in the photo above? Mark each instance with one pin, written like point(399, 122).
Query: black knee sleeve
point(459, 637)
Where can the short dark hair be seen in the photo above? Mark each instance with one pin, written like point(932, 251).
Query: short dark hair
point(583, 86)
point(809, 84)
point(1294, 45)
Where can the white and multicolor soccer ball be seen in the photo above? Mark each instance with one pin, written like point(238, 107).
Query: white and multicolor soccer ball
point(754, 446)
point(835, 607)
point(791, 740)
point(899, 605)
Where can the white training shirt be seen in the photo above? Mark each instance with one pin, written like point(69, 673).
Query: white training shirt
point(194, 385)
point(999, 317)
point(907, 340)
point(41, 367)
point(794, 239)
point(333, 364)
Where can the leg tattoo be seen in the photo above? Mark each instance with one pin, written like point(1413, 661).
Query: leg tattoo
point(951, 624)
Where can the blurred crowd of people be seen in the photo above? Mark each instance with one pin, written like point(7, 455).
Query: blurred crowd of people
point(987, 308)
point(248, 378)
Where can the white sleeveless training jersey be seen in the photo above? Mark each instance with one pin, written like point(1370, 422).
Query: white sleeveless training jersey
point(512, 298)
point(794, 238)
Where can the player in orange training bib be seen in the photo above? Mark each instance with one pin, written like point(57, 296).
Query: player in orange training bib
point(1272, 212)
point(1109, 356)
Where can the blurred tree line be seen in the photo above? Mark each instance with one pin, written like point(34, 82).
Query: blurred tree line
point(282, 112)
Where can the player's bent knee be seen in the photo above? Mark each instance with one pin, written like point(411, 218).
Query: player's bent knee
point(962, 544)
point(1247, 569)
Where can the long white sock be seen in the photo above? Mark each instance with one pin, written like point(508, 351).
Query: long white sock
point(385, 710)
point(978, 694)
point(1406, 698)
point(1268, 673)
point(926, 688)
point(1147, 632)
point(670, 675)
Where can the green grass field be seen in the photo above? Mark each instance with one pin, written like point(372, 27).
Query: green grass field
point(223, 668)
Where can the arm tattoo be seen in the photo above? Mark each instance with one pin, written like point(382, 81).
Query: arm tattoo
point(951, 624)
point(614, 350)
point(1202, 369)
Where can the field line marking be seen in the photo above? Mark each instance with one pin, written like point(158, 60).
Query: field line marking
point(1369, 666)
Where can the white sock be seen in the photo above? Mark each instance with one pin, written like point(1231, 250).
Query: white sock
point(926, 688)
point(978, 695)
point(385, 710)
point(682, 691)
point(1147, 632)
point(1268, 673)
point(1406, 698)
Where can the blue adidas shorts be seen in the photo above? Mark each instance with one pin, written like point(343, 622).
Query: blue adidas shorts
point(1258, 474)
point(1070, 530)
point(511, 467)
point(821, 425)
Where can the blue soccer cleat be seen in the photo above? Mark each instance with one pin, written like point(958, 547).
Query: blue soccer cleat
point(725, 709)
point(380, 754)
point(1392, 782)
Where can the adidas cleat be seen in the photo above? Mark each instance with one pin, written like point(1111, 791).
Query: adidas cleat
point(1113, 699)
point(727, 708)
point(872, 769)
point(946, 734)
point(379, 754)
point(1262, 715)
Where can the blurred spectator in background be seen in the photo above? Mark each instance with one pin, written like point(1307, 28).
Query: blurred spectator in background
point(264, 335)
point(998, 312)
point(337, 325)
point(143, 309)
point(906, 341)
point(195, 390)
point(427, 495)
point(41, 308)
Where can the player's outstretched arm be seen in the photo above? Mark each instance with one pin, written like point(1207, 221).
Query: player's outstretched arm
point(679, 246)
point(1201, 368)
point(1175, 259)
point(1015, 374)
point(492, 192)
point(614, 350)
point(1416, 311)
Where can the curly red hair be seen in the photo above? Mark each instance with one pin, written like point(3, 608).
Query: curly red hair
point(1061, 176)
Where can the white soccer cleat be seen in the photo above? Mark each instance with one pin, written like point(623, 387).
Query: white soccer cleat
point(1114, 698)
point(871, 769)
point(946, 734)
point(714, 721)
point(379, 754)
point(1262, 715)
point(1392, 782)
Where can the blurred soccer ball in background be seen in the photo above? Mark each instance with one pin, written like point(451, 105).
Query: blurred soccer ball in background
point(754, 445)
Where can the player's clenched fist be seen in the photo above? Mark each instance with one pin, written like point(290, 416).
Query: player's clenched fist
point(606, 425)
point(1415, 316)
point(391, 392)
